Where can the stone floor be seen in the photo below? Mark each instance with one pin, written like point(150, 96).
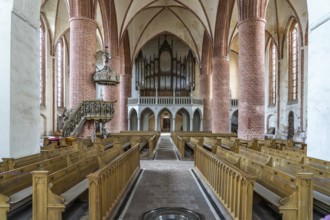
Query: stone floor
point(166, 182)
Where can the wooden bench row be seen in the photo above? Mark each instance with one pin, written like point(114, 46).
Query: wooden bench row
point(208, 141)
point(147, 139)
point(108, 185)
point(47, 152)
point(284, 191)
point(232, 186)
point(16, 185)
point(200, 134)
point(256, 162)
point(52, 193)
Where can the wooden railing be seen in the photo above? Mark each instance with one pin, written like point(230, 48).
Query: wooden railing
point(107, 185)
point(233, 187)
point(88, 110)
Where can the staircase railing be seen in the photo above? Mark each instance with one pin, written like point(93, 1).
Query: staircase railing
point(88, 110)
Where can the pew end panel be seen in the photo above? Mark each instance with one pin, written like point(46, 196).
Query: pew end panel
point(4, 206)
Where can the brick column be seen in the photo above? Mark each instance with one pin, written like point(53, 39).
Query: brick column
point(251, 28)
point(220, 94)
point(125, 93)
point(221, 69)
point(82, 55)
point(205, 92)
point(82, 60)
point(206, 83)
point(112, 94)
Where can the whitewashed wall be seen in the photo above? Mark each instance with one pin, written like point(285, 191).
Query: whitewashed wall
point(19, 78)
point(318, 112)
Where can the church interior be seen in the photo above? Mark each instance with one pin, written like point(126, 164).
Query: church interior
point(165, 109)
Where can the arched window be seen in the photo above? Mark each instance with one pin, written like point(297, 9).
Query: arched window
point(293, 61)
point(272, 73)
point(42, 35)
point(59, 73)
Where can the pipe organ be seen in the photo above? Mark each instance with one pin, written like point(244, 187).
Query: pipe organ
point(165, 75)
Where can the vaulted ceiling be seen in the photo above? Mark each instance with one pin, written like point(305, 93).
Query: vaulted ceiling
point(145, 19)
point(186, 19)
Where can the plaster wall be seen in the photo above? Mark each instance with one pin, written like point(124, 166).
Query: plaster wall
point(47, 110)
point(24, 79)
point(5, 41)
point(285, 105)
point(318, 80)
point(270, 110)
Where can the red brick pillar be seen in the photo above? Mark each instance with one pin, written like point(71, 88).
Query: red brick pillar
point(205, 93)
point(206, 83)
point(82, 55)
point(220, 94)
point(220, 69)
point(112, 94)
point(251, 28)
point(125, 93)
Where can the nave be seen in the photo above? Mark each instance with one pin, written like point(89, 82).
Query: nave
point(165, 181)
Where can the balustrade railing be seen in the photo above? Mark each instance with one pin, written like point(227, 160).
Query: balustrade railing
point(169, 100)
point(107, 185)
point(232, 186)
point(88, 110)
point(165, 100)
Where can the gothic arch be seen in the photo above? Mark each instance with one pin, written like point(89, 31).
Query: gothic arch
point(147, 120)
point(133, 122)
point(182, 120)
point(164, 120)
point(197, 118)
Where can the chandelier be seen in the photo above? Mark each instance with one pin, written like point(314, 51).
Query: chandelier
point(106, 76)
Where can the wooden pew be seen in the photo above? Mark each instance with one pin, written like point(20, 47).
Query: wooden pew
point(178, 137)
point(232, 186)
point(152, 145)
point(16, 185)
point(289, 155)
point(211, 144)
point(317, 163)
point(321, 193)
point(106, 143)
point(281, 189)
point(52, 193)
point(142, 133)
point(270, 143)
point(228, 156)
point(54, 152)
point(190, 142)
point(13, 163)
point(231, 144)
point(188, 134)
point(147, 139)
point(180, 145)
point(106, 189)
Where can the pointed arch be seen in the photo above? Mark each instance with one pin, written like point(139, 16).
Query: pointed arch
point(147, 119)
point(293, 44)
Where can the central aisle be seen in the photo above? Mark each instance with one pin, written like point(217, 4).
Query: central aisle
point(166, 182)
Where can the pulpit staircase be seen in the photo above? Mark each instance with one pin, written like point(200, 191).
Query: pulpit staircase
point(96, 110)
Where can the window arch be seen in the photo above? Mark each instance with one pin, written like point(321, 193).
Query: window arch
point(293, 45)
point(272, 72)
point(60, 73)
point(42, 71)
